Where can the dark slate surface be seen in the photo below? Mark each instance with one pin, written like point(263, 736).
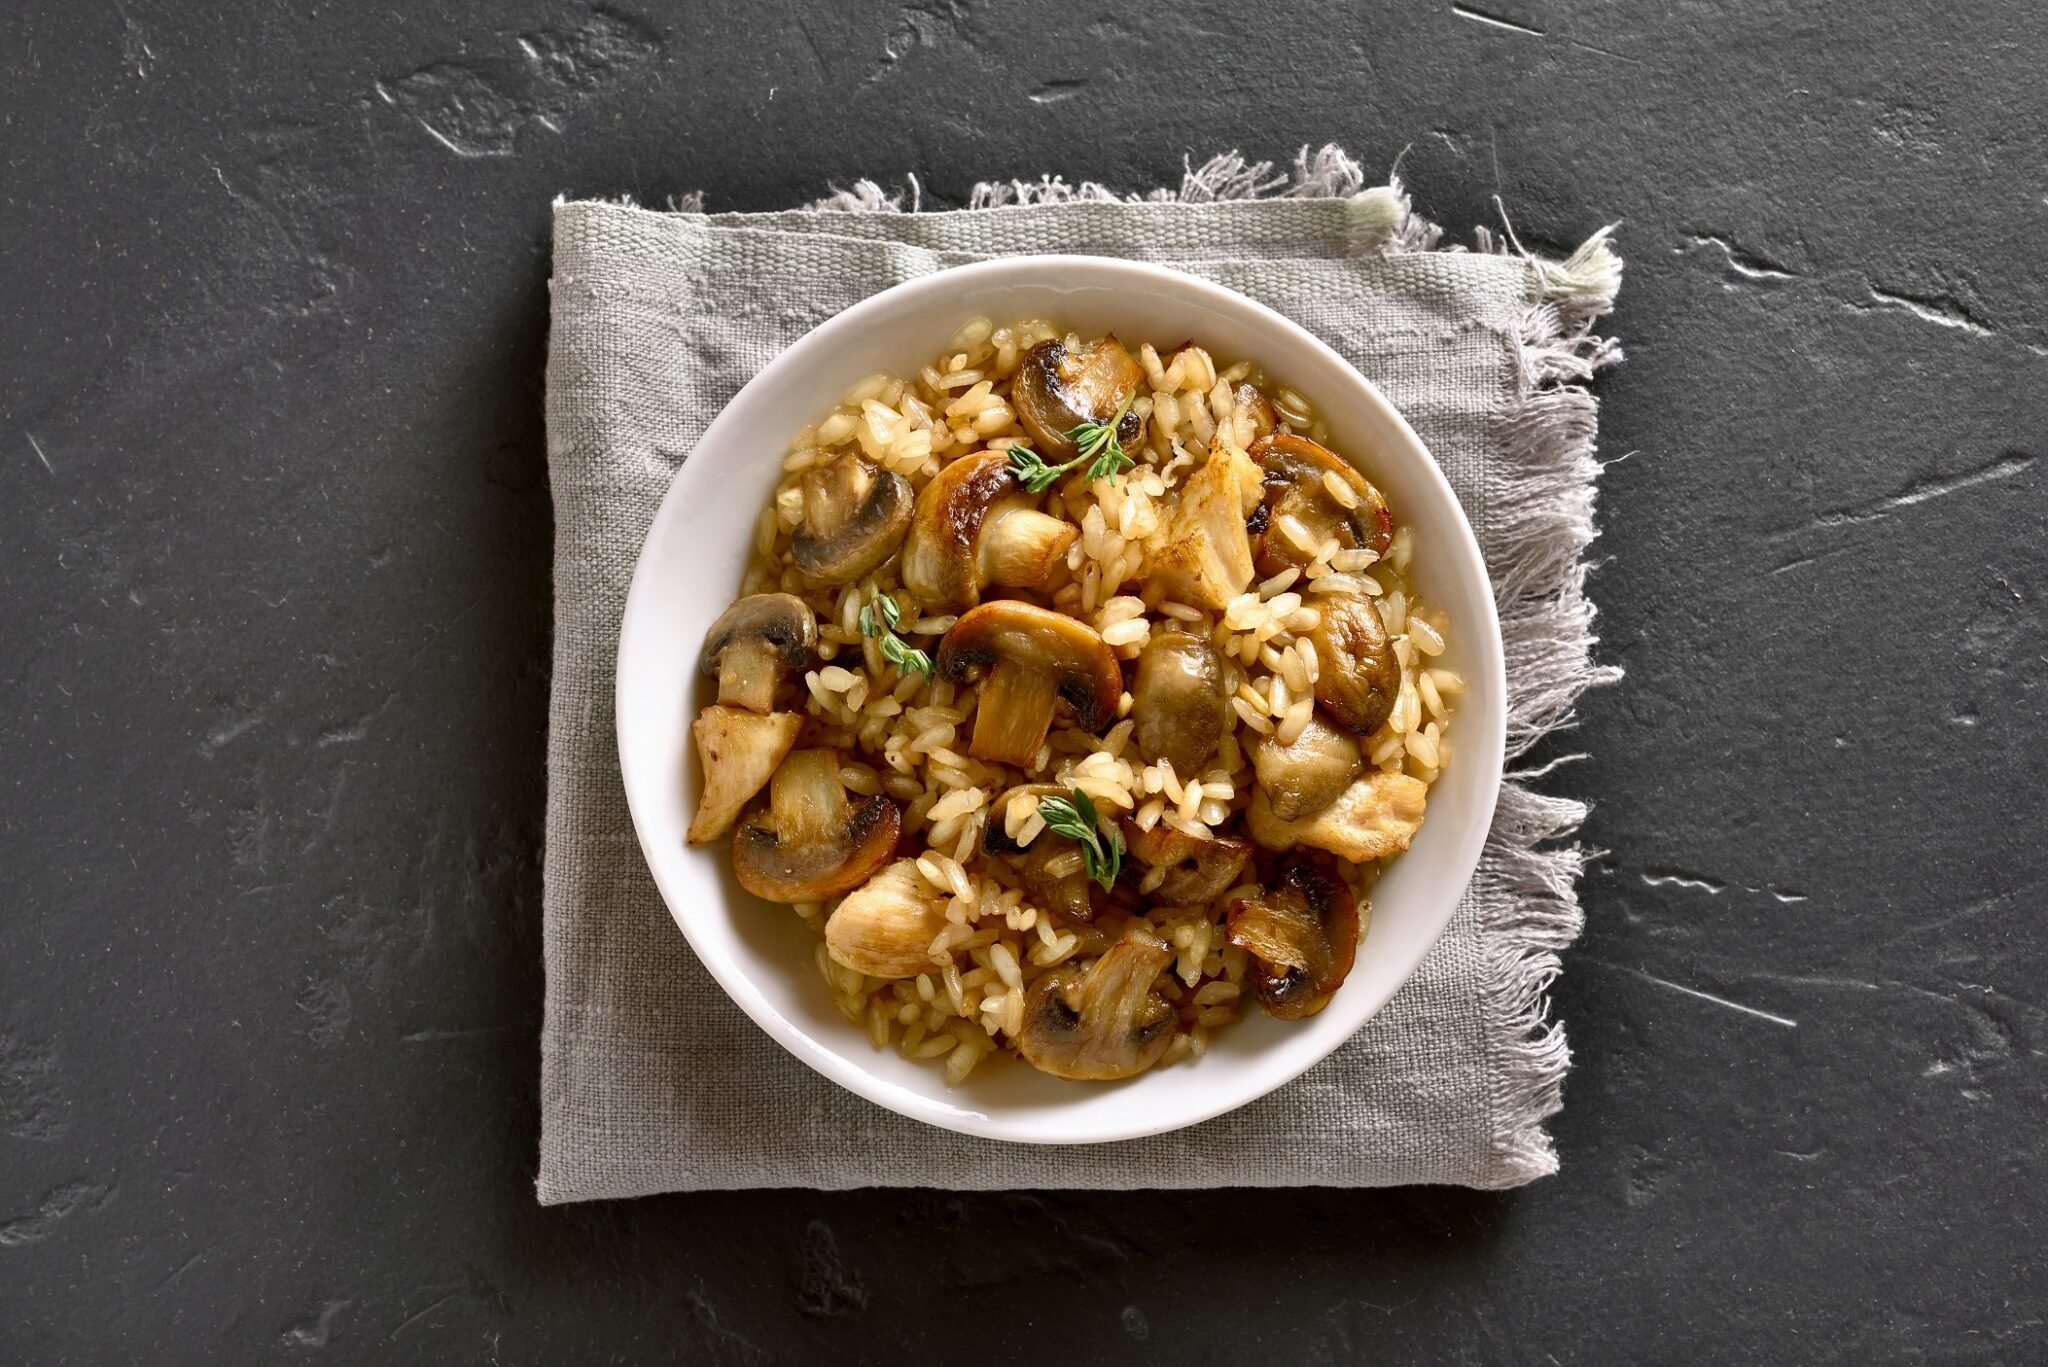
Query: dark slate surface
point(274, 551)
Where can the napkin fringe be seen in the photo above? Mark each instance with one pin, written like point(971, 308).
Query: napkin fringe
point(1544, 521)
point(1386, 222)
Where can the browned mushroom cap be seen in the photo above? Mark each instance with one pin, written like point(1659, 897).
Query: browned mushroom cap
point(1197, 870)
point(1050, 869)
point(1057, 390)
point(1303, 778)
point(1302, 513)
point(975, 525)
point(1179, 700)
point(1303, 930)
point(1104, 1022)
point(1034, 658)
point(855, 515)
point(753, 642)
point(1358, 676)
point(812, 842)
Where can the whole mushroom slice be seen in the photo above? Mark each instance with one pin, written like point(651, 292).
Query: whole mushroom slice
point(812, 843)
point(1051, 869)
point(739, 751)
point(1301, 509)
point(886, 926)
point(1032, 659)
point(1358, 676)
point(1056, 390)
point(1180, 700)
point(1197, 870)
point(1303, 931)
point(1376, 816)
point(1205, 557)
point(1301, 779)
point(1103, 1022)
point(855, 516)
point(974, 525)
point(754, 643)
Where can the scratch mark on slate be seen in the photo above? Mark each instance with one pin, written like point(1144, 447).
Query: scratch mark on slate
point(1942, 310)
point(1481, 17)
point(1773, 1018)
point(433, 1036)
point(38, 448)
point(357, 730)
point(1658, 878)
point(183, 1268)
point(1607, 52)
point(478, 107)
point(1926, 491)
point(52, 1211)
point(416, 1316)
point(1742, 260)
point(1052, 92)
point(320, 1332)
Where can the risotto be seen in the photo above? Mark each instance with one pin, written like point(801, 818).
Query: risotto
point(1076, 696)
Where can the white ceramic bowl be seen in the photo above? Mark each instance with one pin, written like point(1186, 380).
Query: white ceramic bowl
point(697, 551)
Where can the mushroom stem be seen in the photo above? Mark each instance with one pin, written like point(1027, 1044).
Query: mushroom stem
point(747, 674)
point(1022, 548)
point(807, 797)
point(1014, 713)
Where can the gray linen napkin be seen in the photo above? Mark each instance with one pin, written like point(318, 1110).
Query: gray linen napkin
point(652, 1080)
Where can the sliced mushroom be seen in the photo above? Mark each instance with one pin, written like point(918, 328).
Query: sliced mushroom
point(1302, 513)
point(855, 515)
point(974, 526)
point(1375, 817)
point(1051, 869)
point(754, 642)
point(1205, 558)
point(1057, 390)
point(1197, 870)
point(1303, 931)
point(1102, 1022)
point(1034, 658)
point(739, 751)
point(1358, 676)
point(1303, 778)
point(812, 842)
point(886, 926)
point(1180, 701)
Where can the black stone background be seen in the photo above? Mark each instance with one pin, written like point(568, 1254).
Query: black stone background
point(274, 567)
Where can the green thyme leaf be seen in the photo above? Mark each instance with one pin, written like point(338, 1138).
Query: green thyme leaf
point(881, 618)
point(1099, 446)
point(1073, 816)
point(1032, 471)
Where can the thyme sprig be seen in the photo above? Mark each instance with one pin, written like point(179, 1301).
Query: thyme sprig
point(1073, 816)
point(881, 618)
point(1099, 449)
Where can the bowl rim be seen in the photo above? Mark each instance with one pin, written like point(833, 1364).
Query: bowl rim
point(1114, 274)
